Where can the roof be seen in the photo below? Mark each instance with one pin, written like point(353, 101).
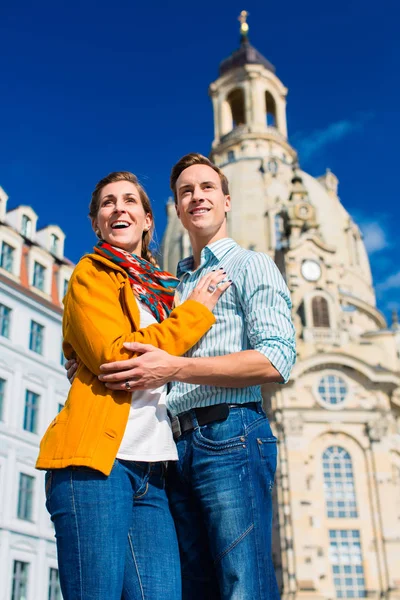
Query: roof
point(245, 55)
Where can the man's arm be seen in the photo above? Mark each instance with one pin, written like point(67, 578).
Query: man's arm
point(238, 370)
point(155, 367)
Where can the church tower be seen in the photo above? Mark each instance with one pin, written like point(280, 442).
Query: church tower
point(337, 525)
point(250, 140)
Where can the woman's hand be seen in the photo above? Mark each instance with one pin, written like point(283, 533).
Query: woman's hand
point(210, 288)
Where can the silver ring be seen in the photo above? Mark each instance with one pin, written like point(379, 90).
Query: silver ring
point(128, 386)
point(211, 288)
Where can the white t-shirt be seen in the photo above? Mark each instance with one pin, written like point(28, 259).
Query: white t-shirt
point(148, 435)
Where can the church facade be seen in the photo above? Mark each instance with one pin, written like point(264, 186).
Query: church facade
point(337, 522)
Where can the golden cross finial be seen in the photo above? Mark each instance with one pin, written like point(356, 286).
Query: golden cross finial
point(244, 27)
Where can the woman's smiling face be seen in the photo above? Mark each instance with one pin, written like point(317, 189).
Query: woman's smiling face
point(121, 219)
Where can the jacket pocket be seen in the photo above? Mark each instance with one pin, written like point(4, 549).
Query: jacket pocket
point(53, 440)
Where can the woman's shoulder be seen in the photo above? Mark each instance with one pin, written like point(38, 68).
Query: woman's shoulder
point(91, 266)
point(87, 264)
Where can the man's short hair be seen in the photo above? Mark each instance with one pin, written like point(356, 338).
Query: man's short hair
point(195, 159)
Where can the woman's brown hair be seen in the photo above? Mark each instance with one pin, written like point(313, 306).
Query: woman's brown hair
point(126, 176)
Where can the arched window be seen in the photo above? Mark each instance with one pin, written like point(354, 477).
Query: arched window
point(270, 110)
point(236, 101)
point(340, 494)
point(320, 312)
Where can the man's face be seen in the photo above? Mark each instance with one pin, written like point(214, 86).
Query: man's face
point(201, 204)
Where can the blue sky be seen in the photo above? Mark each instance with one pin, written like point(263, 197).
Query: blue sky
point(90, 87)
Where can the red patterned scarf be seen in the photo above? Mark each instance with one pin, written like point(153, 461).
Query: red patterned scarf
point(153, 287)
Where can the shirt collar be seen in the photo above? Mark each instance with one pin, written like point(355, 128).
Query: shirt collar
point(217, 250)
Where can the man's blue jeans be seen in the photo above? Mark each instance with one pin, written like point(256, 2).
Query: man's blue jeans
point(115, 535)
point(221, 499)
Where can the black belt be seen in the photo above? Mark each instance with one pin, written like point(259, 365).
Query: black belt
point(207, 414)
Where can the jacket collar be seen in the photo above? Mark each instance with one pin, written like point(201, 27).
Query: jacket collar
point(105, 261)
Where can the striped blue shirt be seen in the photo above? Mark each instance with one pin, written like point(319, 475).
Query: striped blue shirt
point(253, 314)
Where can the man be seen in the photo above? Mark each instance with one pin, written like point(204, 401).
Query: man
point(221, 488)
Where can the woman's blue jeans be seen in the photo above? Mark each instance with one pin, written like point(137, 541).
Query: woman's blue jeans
point(115, 535)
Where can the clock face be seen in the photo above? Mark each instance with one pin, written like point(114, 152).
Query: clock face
point(311, 270)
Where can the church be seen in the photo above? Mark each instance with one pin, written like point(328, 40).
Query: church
point(337, 491)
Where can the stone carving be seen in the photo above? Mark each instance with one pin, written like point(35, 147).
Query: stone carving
point(377, 429)
point(294, 425)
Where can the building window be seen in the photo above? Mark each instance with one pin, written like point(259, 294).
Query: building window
point(270, 109)
point(31, 411)
point(332, 389)
point(320, 312)
point(20, 581)
point(231, 155)
point(65, 286)
point(25, 497)
point(39, 272)
point(346, 561)
point(26, 228)
point(236, 102)
point(2, 396)
point(7, 257)
point(54, 586)
point(36, 337)
point(340, 494)
point(54, 241)
point(5, 320)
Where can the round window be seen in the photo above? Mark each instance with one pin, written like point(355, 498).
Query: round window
point(332, 389)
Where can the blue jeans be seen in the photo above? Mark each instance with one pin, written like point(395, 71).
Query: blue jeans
point(220, 496)
point(115, 535)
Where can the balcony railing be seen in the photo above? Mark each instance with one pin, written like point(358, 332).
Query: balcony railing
point(238, 131)
point(324, 335)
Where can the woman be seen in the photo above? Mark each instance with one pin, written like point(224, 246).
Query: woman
point(105, 452)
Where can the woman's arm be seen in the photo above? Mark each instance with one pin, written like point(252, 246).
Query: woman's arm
point(95, 326)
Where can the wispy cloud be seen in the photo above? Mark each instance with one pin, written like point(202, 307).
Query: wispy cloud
point(392, 282)
point(375, 237)
point(311, 143)
point(393, 306)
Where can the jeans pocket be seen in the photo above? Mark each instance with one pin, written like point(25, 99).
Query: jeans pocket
point(269, 456)
point(229, 430)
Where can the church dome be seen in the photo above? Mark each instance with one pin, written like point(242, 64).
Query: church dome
point(338, 230)
point(245, 55)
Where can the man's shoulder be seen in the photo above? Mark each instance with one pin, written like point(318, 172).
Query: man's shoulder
point(251, 258)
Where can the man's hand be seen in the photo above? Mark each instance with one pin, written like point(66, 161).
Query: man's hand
point(71, 366)
point(152, 369)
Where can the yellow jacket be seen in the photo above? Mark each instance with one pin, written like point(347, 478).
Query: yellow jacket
point(100, 314)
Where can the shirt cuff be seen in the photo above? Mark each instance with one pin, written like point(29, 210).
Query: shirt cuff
point(279, 359)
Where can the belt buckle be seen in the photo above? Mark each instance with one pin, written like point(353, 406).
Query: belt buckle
point(176, 428)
